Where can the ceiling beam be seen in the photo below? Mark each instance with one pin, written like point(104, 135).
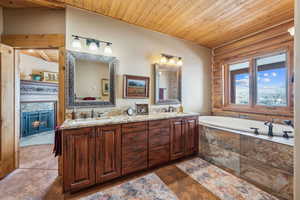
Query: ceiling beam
point(44, 56)
point(47, 3)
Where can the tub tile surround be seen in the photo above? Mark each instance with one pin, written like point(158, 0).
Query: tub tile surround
point(267, 164)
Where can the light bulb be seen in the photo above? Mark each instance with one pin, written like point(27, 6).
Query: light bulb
point(107, 49)
point(30, 50)
point(292, 31)
point(179, 62)
point(163, 60)
point(76, 43)
point(171, 61)
point(93, 46)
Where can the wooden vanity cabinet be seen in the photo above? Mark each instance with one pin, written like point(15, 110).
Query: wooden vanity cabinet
point(134, 147)
point(192, 135)
point(99, 154)
point(108, 153)
point(159, 142)
point(184, 137)
point(78, 158)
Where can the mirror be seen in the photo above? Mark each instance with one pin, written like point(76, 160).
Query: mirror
point(90, 79)
point(167, 84)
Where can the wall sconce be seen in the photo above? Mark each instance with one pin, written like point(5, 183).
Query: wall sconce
point(92, 44)
point(292, 31)
point(170, 60)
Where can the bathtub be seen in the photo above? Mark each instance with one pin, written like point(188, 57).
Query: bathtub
point(266, 162)
point(244, 125)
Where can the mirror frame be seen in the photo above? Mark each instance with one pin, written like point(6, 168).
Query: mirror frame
point(156, 87)
point(70, 78)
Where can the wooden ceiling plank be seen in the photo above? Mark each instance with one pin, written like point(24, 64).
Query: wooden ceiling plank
point(44, 56)
point(209, 23)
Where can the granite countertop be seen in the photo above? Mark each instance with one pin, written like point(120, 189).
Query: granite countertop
point(120, 119)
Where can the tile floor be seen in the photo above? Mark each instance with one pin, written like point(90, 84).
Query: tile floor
point(41, 138)
point(193, 179)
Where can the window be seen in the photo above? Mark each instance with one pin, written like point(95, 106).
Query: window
point(271, 80)
point(260, 82)
point(239, 81)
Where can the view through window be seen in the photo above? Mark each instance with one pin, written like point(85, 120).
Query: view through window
point(269, 81)
point(239, 80)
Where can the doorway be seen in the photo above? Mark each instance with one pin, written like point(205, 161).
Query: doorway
point(38, 79)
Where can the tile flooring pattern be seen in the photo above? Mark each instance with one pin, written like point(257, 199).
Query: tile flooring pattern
point(41, 138)
point(222, 183)
point(147, 187)
point(193, 179)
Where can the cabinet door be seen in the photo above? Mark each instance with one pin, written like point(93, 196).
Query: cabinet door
point(108, 153)
point(78, 158)
point(134, 147)
point(191, 132)
point(177, 139)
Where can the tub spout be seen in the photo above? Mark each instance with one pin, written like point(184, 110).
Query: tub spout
point(270, 126)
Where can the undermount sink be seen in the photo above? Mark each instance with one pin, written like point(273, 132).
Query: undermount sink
point(90, 120)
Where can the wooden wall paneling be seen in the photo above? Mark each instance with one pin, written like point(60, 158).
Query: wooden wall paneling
point(279, 41)
point(268, 41)
point(30, 4)
point(7, 109)
point(35, 41)
point(259, 37)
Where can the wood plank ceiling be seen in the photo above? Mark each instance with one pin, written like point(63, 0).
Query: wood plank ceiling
point(49, 55)
point(210, 23)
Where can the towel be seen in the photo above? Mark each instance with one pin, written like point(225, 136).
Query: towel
point(57, 142)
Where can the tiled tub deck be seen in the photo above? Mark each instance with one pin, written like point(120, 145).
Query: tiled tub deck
point(267, 164)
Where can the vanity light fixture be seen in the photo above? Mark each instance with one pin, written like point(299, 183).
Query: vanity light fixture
point(76, 43)
point(163, 60)
point(170, 60)
point(107, 48)
point(91, 44)
point(179, 61)
point(292, 31)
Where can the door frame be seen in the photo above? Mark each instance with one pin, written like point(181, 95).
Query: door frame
point(36, 41)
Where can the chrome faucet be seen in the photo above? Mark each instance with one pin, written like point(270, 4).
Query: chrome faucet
point(289, 123)
point(270, 126)
point(92, 113)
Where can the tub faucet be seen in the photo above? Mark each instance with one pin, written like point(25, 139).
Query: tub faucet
point(270, 125)
point(289, 123)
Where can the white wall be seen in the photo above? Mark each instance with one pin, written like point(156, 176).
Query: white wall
point(137, 48)
point(34, 21)
point(29, 64)
point(297, 102)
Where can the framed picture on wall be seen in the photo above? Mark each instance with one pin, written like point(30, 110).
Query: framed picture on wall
point(136, 87)
point(105, 87)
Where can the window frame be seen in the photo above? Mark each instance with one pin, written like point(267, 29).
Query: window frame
point(253, 107)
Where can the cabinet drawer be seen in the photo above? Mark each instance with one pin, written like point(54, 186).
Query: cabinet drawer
point(134, 127)
point(159, 137)
point(159, 155)
point(136, 138)
point(134, 161)
point(159, 124)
